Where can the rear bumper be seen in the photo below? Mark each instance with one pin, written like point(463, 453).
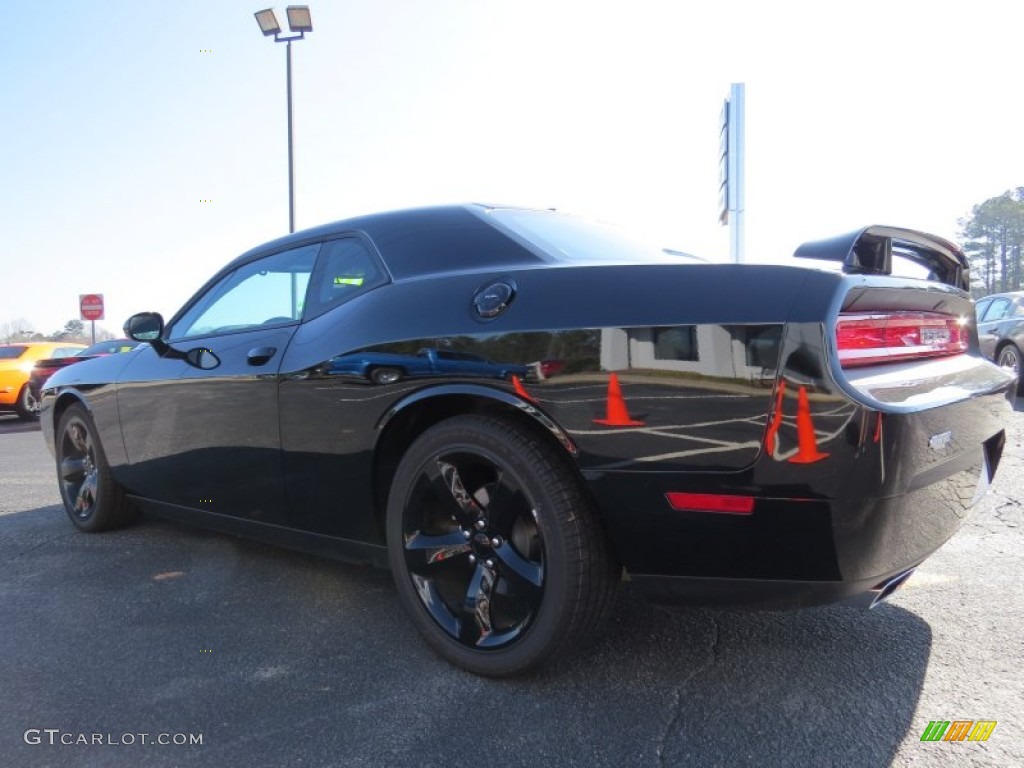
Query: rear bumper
point(889, 491)
point(768, 594)
point(812, 553)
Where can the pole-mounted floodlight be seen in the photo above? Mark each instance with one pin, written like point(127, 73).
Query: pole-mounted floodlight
point(268, 22)
point(300, 22)
point(299, 19)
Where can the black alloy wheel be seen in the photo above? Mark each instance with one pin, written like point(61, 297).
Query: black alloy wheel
point(1009, 357)
point(495, 550)
point(91, 498)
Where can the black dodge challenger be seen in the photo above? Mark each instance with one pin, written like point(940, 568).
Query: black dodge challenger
point(728, 434)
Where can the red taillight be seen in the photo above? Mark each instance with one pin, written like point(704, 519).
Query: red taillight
point(710, 502)
point(897, 336)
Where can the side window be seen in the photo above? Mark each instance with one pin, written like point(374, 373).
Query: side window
point(996, 310)
point(347, 268)
point(270, 291)
point(980, 307)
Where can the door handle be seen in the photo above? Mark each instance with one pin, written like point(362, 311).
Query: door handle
point(260, 355)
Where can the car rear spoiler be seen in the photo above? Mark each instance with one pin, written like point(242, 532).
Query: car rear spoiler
point(869, 252)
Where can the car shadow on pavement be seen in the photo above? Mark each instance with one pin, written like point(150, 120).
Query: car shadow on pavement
point(819, 686)
point(283, 658)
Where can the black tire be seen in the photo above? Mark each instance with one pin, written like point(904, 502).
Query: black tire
point(92, 499)
point(496, 552)
point(25, 407)
point(385, 375)
point(1010, 357)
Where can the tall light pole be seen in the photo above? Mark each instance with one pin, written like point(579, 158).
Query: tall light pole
point(299, 21)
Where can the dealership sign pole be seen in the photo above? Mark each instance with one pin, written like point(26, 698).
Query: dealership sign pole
point(731, 175)
point(91, 307)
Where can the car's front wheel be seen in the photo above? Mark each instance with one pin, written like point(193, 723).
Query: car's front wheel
point(495, 550)
point(1010, 357)
point(385, 375)
point(92, 499)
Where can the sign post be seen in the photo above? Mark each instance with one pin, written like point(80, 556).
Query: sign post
point(91, 307)
point(731, 175)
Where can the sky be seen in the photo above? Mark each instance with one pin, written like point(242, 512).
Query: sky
point(144, 144)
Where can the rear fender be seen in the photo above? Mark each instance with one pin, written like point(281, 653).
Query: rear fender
point(488, 393)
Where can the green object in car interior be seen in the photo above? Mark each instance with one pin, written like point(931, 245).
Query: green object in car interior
point(348, 281)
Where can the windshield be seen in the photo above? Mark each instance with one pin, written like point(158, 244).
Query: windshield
point(11, 353)
point(560, 237)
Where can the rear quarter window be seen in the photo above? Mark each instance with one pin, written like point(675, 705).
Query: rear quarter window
point(346, 269)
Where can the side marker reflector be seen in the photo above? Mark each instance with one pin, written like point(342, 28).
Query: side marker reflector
point(710, 502)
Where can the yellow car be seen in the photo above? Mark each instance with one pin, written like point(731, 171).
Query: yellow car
point(16, 361)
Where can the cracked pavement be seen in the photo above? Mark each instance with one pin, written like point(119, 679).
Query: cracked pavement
point(280, 658)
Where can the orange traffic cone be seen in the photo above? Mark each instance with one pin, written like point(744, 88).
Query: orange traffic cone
point(618, 416)
point(807, 446)
point(769, 437)
point(517, 385)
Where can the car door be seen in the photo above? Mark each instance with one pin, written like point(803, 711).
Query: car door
point(201, 421)
point(328, 418)
point(988, 324)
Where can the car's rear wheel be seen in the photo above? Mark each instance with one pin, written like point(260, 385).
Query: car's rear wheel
point(26, 404)
point(92, 499)
point(1010, 357)
point(495, 550)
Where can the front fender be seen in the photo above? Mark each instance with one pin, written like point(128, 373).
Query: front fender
point(101, 403)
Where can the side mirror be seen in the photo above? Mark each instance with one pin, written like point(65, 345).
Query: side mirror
point(149, 327)
point(145, 326)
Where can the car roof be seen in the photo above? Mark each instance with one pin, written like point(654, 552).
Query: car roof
point(453, 237)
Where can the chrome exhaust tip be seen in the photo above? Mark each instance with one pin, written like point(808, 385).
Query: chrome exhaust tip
point(884, 591)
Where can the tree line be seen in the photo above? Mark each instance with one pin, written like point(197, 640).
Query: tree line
point(992, 237)
point(74, 331)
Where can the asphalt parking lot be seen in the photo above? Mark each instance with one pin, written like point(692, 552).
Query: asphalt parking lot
point(280, 659)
